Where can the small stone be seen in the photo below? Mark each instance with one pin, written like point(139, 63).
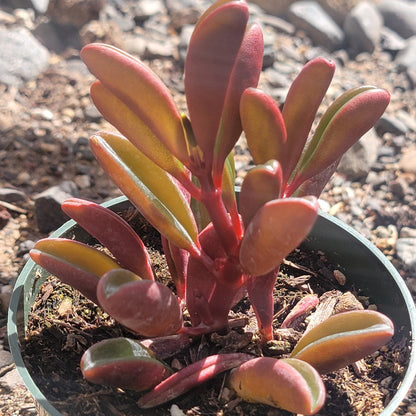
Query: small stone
point(12, 196)
point(400, 16)
point(398, 188)
point(408, 161)
point(358, 160)
point(389, 124)
point(48, 212)
point(74, 12)
point(310, 17)
point(406, 251)
point(22, 56)
point(11, 380)
point(408, 232)
point(363, 27)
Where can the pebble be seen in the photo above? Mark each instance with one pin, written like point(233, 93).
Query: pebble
point(406, 251)
point(22, 56)
point(362, 27)
point(400, 16)
point(48, 213)
point(406, 58)
point(357, 161)
point(390, 124)
point(318, 25)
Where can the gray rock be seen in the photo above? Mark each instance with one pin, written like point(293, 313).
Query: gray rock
point(310, 17)
point(390, 124)
point(406, 251)
point(11, 380)
point(48, 212)
point(22, 56)
point(123, 21)
point(183, 12)
point(408, 232)
point(48, 35)
point(146, 8)
point(363, 26)
point(5, 358)
point(156, 50)
point(391, 41)
point(12, 196)
point(74, 12)
point(406, 58)
point(399, 16)
point(357, 161)
point(277, 24)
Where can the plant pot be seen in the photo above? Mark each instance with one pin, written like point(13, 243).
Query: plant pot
point(367, 268)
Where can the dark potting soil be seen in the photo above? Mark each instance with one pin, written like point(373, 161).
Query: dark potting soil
point(63, 324)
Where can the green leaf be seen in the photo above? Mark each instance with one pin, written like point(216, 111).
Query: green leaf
point(74, 263)
point(124, 363)
point(113, 232)
point(121, 116)
point(277, 228)
point(288, 384)
point(343, 339)
point(141, 91)
point(148, 187)
point(345, 121)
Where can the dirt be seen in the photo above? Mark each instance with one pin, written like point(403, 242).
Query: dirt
point(63, 324)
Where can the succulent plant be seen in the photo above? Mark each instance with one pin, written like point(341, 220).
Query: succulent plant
point(178, 171)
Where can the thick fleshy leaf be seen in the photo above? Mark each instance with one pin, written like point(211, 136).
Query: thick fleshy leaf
point(146, 307)
point(124, 363)
point(343, 339)
point(344, 122)
point(288, 384)
point(74, 263)
point(301, 104)
point(260, 185)
point(190, 377)
point(212, 53)
point(141, 90)
point(148, 187)
point(263, 126)
point(113, 232)
point(245, 74)
point(278, 227)
point(130, 125)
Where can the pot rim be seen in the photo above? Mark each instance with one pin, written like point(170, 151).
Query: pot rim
point(12, 317)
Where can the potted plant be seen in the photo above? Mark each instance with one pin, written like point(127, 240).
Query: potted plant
point(179, 173)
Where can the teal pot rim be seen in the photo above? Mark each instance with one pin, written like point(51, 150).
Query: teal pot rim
point(395, 291)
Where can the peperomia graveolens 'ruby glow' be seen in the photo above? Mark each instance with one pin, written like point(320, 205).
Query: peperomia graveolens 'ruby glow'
point(178, 171)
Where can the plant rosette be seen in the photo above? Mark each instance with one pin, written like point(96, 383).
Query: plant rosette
point(366, 268)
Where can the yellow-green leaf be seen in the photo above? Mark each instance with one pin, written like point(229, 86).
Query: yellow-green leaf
point(148, 187)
